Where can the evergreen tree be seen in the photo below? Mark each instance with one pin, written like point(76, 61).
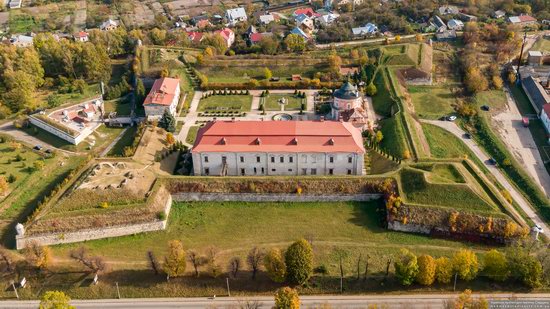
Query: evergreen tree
point(168, 121)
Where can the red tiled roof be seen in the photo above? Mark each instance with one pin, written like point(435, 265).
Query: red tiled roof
point(163, 91)
point(225, 33)
point(256, 37)
point(82, 34)
point(279, 136)
point(526, 18)
point(308, 11)
point(195, 36)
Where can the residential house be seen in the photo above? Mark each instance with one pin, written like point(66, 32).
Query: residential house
point(15, 4)
point(309, 12)
point(250, 30)
point(535, 57)
point(446, 35)
point(20, 40)
point(266, 19)
point(498, 14)
point(535, 92)
point(195, 37)
point(108, 25)
point(439, 24)
point(522, 20)
point(235, 16)
point(277, 148)
point(448, 10)
point(203, 23)
point(327, 19)
point(300, 32)
point(455, 24)
point(196, 19)
point(81, 36)
point(466, 17)
point(255, 38)
point(305, 23)
point(164, 95)
point(352, 2)
point(368, 29)
point(228, 36)
point(545, 118)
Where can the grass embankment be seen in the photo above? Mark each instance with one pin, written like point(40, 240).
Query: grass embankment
point(125, 141)
point(432, 102)
point(418, 190)
point(443, 144)
point(192, 134)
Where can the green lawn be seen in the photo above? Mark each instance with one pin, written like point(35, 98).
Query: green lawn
point(382, 101)
point(446, 173)
point(432, 102)
point(20, 22)
point(380, 164)
point(394, 137)
point(16, 162)
point(292, 102)
point(242, 74)
point(418, 190)
point(126, 140)
point(444, 144)
point(121, 106)
point(217, 103)
point(542, 45)
point(192, 134)
point(495, 99)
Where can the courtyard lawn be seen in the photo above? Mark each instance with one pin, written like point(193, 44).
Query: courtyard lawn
point(192, 134)
point(126, 140)
point(432, 102)
point(122, 106)
point(217, 103)
point(542, 45)
point(292, 102)
point(242, 74)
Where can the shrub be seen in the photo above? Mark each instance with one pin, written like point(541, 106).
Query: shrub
point(104, 205)
point(299, 262)
point(161, 215)
point(287, 298)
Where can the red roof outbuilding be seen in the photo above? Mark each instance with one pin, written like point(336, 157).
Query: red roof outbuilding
point(163, 91)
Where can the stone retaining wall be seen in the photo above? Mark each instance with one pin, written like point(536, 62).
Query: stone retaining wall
point(266, 197)
point(114, 231)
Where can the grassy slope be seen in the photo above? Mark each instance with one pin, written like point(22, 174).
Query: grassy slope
point(192, 134)
point(444, 144)
point(125, 140)
point(432, 102)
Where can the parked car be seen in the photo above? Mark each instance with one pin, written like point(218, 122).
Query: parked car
point(451, 118)
point(48, 151)
point(37, 147)
point(492, 161)
point(485, 108)
point(467, 135)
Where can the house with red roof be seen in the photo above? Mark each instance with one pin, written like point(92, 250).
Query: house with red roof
point(81, 36)
point(522, 20)
point(228, 36)
point(164, 95)
point(306, 11)
point(273, 148)
point(195, 37)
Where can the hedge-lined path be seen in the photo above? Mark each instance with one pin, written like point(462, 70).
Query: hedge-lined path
point(520, 200)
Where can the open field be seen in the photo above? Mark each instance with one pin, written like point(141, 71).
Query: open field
point(292, 102)
point(216, 103)
point(432, 102)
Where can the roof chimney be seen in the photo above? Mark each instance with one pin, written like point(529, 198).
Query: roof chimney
point(322, 118)
point(232, 119)
point(258, 141)
point(223, 141)
point(295, 141)
point(331, 141)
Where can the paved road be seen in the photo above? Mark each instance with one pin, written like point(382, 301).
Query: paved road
point(422, 301)
point(525, 206)
point(367, 41)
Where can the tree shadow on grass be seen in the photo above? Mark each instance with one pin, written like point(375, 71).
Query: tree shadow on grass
point(370, 215)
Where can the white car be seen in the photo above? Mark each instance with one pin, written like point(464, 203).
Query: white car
point(451, 118)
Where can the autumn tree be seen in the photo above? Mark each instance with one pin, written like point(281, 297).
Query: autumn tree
point(524, 267)
point(212, 261)
point(497, 82)
point(275, 266)
point(371, 90)
point(299, 262)
point(37, 256)
point(475, 81)
point(334, 63)
point(216, 41)
point(174, 261)
point(406, 267)
point(196, 260)
point(94, 264)
point(4, 186)
point(466, 301)
point(426, 270)
point(495, 265)
point(234, 266)
point(157, 36)
point(170, 138)
point(295, 43)
point(269, 45)
point(267, 73)
point(254, 260)
point(443, 270)
point(55, 300)
point(287, 298)
point(465, 264)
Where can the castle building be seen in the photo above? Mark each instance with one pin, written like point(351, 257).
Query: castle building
point(348, 105)
point(265, 148)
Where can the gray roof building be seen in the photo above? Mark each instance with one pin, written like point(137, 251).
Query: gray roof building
point(535, 92)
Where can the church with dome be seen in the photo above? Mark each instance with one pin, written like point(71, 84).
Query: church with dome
point(348, 105)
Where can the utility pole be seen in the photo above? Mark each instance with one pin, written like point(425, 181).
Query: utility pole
point(15, 289)
point(521, 54)
point(117, 290)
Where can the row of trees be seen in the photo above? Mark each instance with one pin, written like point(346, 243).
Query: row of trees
point(294, 266)
point(516, 264)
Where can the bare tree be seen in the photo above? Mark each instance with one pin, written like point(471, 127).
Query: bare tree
point(196, 260)
point(37, 256)
point(6, 260)
point(388, 263)
point(249, 304)
point(211, 260)
point(366, 268)
point(95, 264)
point(359, 266)
point(234, 266)
point(153, 262)
point(254, 260)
